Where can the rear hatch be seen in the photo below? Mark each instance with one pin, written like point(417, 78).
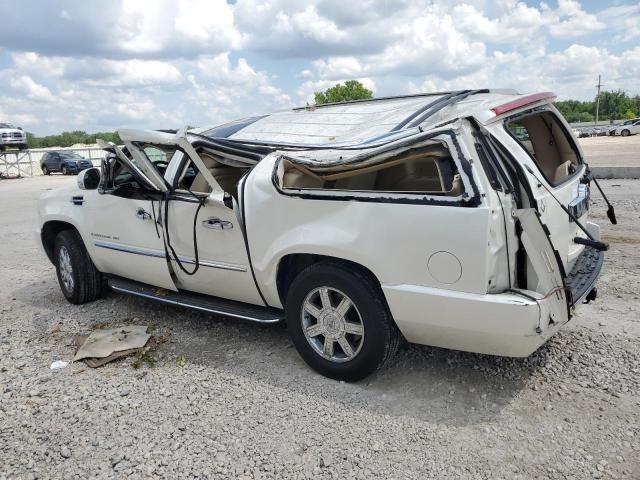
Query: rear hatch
point(558, 171)
point(539, 139)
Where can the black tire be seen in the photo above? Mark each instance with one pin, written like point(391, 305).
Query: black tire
point(65, 170)
point(45, 170)
point(381, 337)
point(625, 133)
point(86, 284)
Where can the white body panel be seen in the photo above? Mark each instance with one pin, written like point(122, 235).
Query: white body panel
point(447, 271)
point(118, 241)
point(224, 267)
point(393, 240)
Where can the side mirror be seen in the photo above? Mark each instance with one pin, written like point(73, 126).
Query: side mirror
point(89, 179)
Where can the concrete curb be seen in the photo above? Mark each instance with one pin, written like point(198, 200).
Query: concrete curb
point(616, 172)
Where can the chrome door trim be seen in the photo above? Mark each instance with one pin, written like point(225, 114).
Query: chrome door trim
point(206, 263)
point(148, 252)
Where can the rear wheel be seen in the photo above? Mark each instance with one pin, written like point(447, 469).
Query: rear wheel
point(45, 170)
point(339, 322)
point(625, 133)
point(79, 279)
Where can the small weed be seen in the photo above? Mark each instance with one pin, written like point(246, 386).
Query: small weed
point(144, 356)
point(181, 360)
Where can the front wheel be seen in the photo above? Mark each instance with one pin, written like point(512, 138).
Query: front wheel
point(65, 170)
point(625, 133)
point(78, 277)
point(339, 322)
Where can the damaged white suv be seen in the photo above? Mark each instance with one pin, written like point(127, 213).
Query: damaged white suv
point(454, 219)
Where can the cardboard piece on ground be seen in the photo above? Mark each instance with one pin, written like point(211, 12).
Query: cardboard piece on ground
point(102, 346)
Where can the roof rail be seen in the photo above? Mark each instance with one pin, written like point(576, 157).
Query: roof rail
point(393, 97)
point(428, 110)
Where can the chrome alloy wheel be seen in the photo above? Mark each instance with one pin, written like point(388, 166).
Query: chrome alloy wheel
point(66, 270)
point(332, 324)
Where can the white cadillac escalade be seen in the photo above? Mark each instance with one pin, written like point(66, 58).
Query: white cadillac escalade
point(454, 219)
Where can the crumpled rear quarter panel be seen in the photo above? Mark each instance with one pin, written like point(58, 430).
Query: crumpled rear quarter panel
point(392, 240)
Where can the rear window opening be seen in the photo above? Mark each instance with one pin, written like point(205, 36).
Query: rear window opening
point(550, 146)
point(430, 171)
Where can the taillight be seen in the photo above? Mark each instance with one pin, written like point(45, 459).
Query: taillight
point(522, 102)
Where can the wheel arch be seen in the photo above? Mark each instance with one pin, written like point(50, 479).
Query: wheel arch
point(50, 231)
point(292, 264)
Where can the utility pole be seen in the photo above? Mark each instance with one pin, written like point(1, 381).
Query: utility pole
point(598, 86)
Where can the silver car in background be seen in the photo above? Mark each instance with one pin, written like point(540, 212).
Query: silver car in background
point(11, 136)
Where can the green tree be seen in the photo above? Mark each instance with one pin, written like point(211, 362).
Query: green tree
point(351, 90)
point(615, 103)
point(67, 139)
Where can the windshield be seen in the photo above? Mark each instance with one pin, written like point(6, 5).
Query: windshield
point(6, 125)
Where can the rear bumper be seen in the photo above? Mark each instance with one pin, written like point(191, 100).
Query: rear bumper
point(504, 324)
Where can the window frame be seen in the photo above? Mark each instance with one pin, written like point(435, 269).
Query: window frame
point(570, 139)
point(470, 196)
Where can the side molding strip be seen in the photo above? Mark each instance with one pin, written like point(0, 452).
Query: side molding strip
point(148, 252)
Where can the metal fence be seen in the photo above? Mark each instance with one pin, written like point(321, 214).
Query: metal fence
point(26, 163)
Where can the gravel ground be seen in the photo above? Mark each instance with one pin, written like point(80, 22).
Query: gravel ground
point(243, 404)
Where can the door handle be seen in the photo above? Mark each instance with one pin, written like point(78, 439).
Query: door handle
point(142, 214)
point(215, 223)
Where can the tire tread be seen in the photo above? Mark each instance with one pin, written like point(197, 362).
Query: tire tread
point(89, 279)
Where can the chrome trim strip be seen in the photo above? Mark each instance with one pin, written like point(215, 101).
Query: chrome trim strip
point(194, 307)
point(148, 252)
point(206, 263)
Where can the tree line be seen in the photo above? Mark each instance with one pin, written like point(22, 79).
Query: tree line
point(614, 105)
point(67, 139)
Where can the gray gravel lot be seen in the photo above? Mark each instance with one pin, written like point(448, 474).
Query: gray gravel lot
point(245, 406)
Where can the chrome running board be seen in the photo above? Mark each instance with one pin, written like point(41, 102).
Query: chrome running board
point(197, 301)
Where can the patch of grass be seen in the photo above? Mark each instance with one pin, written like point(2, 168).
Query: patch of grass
point(181, 360)
point(144, 356)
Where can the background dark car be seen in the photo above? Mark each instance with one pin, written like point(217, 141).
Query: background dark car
point(66, 162)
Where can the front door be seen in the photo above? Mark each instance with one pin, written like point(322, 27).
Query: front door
point(126, 237)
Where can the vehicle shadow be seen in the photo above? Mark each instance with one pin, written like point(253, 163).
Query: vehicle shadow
point(452, 387)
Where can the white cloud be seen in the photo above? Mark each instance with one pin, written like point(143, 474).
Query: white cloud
point(30, 89)
point(570, 20)
point(166, 63)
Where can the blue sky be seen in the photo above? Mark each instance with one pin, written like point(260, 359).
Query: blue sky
point(104, 64)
